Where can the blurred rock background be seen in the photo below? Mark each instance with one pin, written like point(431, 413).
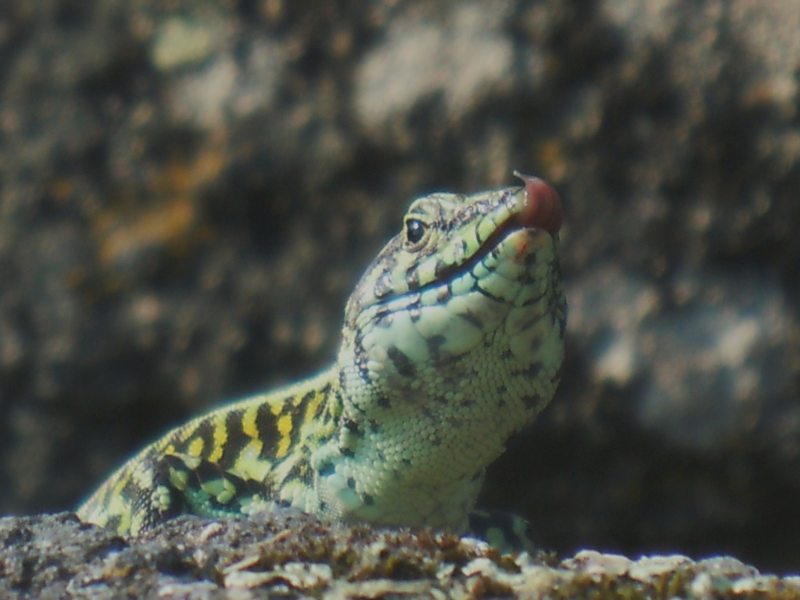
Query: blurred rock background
point(189, 190)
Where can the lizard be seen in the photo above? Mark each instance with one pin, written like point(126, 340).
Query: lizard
point(452, 342)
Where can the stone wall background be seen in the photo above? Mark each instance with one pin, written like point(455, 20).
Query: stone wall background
point(189, 190)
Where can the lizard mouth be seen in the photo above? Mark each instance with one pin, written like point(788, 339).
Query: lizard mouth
point(541, 212)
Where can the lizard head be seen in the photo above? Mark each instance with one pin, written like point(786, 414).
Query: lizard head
point(462, 308)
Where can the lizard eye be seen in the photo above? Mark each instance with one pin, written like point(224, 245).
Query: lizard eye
point(415, 230)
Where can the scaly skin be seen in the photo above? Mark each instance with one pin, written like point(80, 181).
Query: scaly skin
point(452, 342)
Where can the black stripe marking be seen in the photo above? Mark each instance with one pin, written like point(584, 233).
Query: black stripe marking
point(208, 471)
point(113, 522)
point(412, 277)
point(401, 362)
point(265, 423)
point(300, 471)
point(440, 269)
point(531, 401)
point(352, 426)
point(361, 361)
point(235, 439)
point(435, 343)
point(308, 396)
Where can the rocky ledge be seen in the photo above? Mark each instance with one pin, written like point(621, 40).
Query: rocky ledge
point(294, 555)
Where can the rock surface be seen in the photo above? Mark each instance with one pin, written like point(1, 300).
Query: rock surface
point(189, 191)
point(293, 555)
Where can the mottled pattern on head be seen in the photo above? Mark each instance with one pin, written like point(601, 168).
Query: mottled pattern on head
point(448, 239)
point(465, 273)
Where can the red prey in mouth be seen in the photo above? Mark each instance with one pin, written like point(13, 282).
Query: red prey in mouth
point(543, 209)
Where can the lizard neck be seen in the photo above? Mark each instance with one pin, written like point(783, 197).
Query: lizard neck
point(411, 448)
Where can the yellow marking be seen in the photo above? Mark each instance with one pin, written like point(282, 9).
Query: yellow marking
point(195, 447)
point(285, 431)
point(249, 426)
point(312, 407)
point(220, 437)
point(119, 485)
point(124, 521)
point(277, 407)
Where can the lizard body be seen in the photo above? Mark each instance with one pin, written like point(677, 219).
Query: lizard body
point(452, 341)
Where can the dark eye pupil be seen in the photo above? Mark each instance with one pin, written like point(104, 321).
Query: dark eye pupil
point(414, 230)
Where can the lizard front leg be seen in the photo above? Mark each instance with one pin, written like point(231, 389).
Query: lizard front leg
point(187, 484)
